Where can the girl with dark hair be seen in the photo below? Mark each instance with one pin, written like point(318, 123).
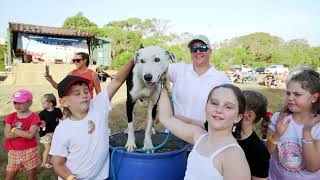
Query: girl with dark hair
point(256, 153)
point(294, 133)
point(81, 60)
point(216, 153)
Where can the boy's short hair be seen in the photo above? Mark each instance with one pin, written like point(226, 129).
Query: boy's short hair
point(66, 83)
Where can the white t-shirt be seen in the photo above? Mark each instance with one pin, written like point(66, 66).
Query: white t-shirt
point(85, 143)
point(286, 162)
point(190, 91)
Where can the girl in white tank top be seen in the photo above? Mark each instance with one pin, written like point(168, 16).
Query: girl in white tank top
point(200, 166)
point(216, 154)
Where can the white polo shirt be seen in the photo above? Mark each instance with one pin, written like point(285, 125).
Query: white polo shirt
point(190, 91)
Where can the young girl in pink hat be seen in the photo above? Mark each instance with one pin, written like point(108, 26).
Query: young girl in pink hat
point(20, 130)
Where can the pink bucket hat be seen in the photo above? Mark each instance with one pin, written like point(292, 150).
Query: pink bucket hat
point(21, 96)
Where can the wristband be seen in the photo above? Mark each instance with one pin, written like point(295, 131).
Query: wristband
point(12, 130)
point(307, 141)
point(71, 177)
point(272, 140)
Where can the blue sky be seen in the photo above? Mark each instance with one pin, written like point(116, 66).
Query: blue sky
point(220, 20)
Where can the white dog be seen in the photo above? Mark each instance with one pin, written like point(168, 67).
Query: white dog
point(144, 82)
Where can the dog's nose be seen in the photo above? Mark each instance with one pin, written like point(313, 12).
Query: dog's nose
point(147, 77)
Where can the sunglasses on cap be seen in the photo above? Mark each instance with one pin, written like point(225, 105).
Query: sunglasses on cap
point(194, 49)
point(76, 60)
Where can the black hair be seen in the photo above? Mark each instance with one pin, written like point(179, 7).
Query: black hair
point(84, 56)
point(258, 103)
point(241, 106)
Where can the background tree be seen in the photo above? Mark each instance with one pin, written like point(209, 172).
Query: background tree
point(256, 49)
point(79, 22)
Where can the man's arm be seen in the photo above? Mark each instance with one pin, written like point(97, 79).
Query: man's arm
point(119, 78)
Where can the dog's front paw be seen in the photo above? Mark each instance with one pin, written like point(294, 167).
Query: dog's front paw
point(148, 145)
point(131, 144)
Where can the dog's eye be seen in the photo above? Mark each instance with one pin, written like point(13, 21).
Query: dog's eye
point(142, 61)
point(156, 59)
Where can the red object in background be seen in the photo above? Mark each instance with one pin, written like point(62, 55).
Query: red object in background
point(268, 114)
point(43, 125)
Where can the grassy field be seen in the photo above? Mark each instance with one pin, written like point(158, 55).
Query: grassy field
point(117, 121)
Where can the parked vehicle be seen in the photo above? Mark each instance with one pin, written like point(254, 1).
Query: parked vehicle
point(275, 68)
point(241, 68)
point(249, 78)
point(260, 70)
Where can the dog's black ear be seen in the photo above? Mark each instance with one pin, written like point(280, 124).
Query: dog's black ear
point(171, 56)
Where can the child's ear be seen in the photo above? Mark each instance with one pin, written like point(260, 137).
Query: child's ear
point(249, 115)
point(63, 102)
point(315, 97)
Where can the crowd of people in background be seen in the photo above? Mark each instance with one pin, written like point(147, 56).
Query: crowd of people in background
point(271, 80)
point(216, 117)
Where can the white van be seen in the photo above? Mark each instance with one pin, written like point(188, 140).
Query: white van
point(275, 68)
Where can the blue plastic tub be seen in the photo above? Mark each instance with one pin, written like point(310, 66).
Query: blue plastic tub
point(149, 166)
